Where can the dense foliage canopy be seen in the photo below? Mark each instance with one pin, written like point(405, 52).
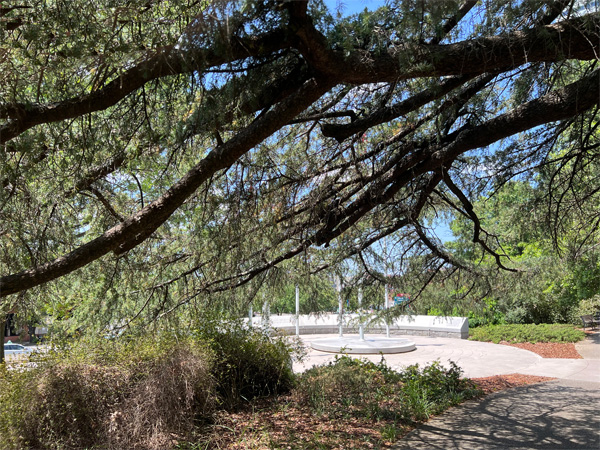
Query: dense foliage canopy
point(155, 153)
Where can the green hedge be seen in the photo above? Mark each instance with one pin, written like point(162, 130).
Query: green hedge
point(518, 333)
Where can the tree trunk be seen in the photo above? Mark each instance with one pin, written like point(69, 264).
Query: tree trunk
point(3, 329)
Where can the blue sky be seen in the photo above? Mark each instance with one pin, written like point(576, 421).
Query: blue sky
point(349, 7)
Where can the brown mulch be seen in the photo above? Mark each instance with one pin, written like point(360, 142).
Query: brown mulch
point(544, 349)
point(266, 426)
point(502, 382)
point(549, 349)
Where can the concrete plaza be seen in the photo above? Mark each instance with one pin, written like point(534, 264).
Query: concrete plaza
point(477, 359)
point(557, 415)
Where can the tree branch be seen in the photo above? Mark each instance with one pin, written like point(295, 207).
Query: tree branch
point(138, 227)
point(575, 38)
point(166, 62)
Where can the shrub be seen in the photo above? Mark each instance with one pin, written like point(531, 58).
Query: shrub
point(527, 333)
point(488, 313)
point(138, 394)
point(588, 306)
point(344, 383)
point(248, 362)
point(517, 315)
point(353, 387)
point(172, 394)
point(434, 388)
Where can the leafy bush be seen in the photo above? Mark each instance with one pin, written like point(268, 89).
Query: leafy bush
point(249, 363)
point(353, 387)
point(517, 315)
point(527, 333)
point(588, 306)
point(346, 383)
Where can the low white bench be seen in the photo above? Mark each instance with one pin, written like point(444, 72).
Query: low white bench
point(453, 327)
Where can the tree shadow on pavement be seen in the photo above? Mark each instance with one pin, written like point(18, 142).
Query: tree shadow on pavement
point(553, 415)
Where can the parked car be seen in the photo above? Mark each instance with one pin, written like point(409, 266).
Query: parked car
point(15, 349)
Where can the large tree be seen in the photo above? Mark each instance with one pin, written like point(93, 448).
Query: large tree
point(185, 149)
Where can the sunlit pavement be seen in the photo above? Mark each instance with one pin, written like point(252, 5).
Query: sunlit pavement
point(477, 359)
point(558, 415)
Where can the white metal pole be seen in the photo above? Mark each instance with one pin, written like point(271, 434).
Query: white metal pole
point(250, 315)
point(340, 306)
point(360, 315)
point(297, 311)
point(387, 325)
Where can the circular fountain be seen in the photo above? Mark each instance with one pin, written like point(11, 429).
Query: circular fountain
point(365, 346)
point(359, 344)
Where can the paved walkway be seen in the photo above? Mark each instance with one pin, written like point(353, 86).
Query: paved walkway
point(562, 414)
point(556, 415)
point(477, 359)
point(590, 347)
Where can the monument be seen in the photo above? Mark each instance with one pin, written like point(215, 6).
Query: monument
point(359, 344)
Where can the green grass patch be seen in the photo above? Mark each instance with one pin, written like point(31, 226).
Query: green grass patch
point(518, 333)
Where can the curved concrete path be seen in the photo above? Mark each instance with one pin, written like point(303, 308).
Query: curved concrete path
point(477, 359)
point(558, 415)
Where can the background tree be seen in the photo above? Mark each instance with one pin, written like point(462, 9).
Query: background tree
point(548, 231)
point(157, 155)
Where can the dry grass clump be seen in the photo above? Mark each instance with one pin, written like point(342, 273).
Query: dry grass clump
point(129, 400)
point(139, 394)
point(62, 406)
point(175, 393)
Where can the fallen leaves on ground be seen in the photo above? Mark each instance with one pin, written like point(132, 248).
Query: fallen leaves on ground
point(287, 425)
